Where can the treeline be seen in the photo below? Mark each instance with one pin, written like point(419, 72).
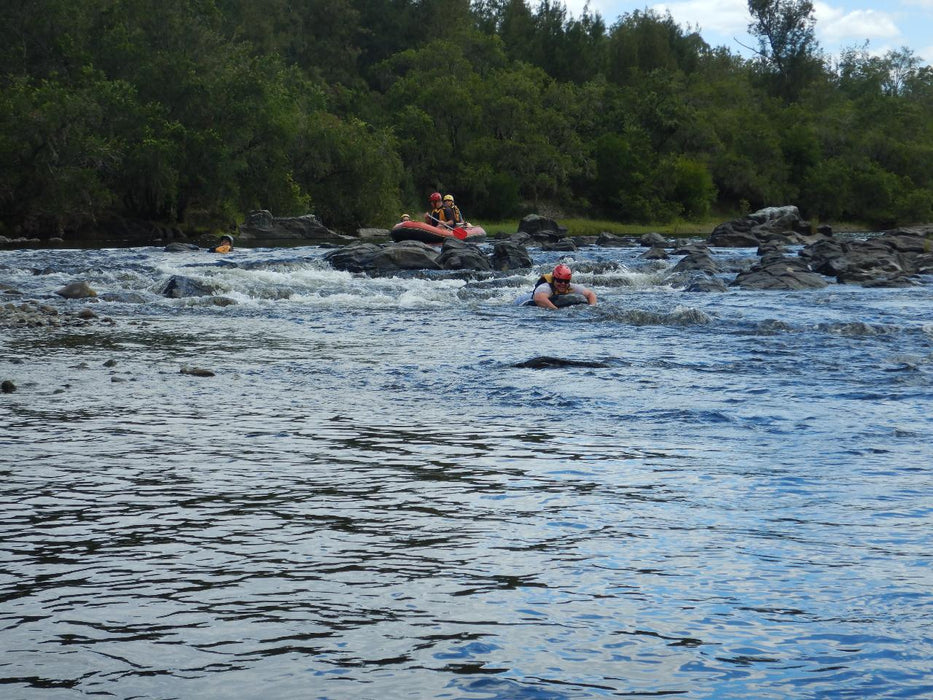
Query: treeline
point(193, 112)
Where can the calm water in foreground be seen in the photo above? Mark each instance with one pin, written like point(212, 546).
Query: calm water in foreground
point(718, 496)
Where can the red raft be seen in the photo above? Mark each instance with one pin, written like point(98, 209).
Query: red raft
point(426, 233)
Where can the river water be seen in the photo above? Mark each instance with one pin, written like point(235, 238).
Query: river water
point(398, 488)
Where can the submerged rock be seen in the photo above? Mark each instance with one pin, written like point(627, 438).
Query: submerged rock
point(547, 361)
point(197, 371)
point(76, 290)
point(179, 286)
point(779, 272)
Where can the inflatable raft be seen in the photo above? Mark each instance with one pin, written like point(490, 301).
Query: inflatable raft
point(426, 233)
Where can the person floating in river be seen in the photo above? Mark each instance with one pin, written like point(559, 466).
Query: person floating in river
point(557, 283)
point(440, 214)
point(225, 245)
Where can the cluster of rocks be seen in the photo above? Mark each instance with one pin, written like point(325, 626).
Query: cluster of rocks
point(509, 251)
point(894, 258)
point(776, 225)
point(389, 259)
point(32, 314)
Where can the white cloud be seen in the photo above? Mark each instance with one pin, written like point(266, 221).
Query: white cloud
point(838, 26)
point(842, 24)
point(725, 17)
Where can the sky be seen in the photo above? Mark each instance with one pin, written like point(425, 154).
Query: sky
point(840, 24)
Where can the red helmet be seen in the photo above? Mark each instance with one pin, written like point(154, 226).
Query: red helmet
point(435, 196)
point(562, 273)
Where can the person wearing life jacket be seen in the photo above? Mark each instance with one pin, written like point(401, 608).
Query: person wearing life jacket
point(225, 245)
point(458, 217)
point(557, 283)
point(440, 214)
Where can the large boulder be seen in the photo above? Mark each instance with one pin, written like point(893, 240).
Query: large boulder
point(383, 260)
point(535, 225)
point(404, 255)
point(262, 227)
point(610, 240)
point(76, 290)
point(781, 223)
point(565, 245)
point(356, 257)
point(459, 255)
point(779, 272)
point(697, 261)
point(510, 255)
point(653, 240)
point(179, 286)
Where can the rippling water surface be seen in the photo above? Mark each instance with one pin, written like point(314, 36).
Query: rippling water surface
point(411, 488)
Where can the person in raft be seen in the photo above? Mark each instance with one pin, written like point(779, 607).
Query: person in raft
point(440, 214)
point(458, 217)
point(556, 283)
point(404, 217)
point(225, 245)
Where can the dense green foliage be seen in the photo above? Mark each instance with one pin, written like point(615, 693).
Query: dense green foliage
point(197, 111)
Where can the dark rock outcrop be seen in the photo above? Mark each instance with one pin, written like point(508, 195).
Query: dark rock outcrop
point(610, 240)
point(404, 255)
point(262, 227)
point(780, 272)
point(356, 257)
point(391, 258)
point(382, 260)
point(510, 255)
point(653, 240)
point(541, 227)
point(772, 223)
point(697, 261)
point(179, 286)
point(457, 255)
point(655, 253)
point(885, 260)
point(567, 245)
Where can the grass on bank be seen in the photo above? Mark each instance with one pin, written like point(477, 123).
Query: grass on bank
point(674, 229)
point(594, 227)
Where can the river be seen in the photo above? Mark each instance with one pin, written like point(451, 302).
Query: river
point(397, 488)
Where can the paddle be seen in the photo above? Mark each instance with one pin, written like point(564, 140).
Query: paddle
point(460, 233)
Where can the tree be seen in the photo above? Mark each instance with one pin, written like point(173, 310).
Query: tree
point(339, 161)
point(644, 41)
point(787, 46)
